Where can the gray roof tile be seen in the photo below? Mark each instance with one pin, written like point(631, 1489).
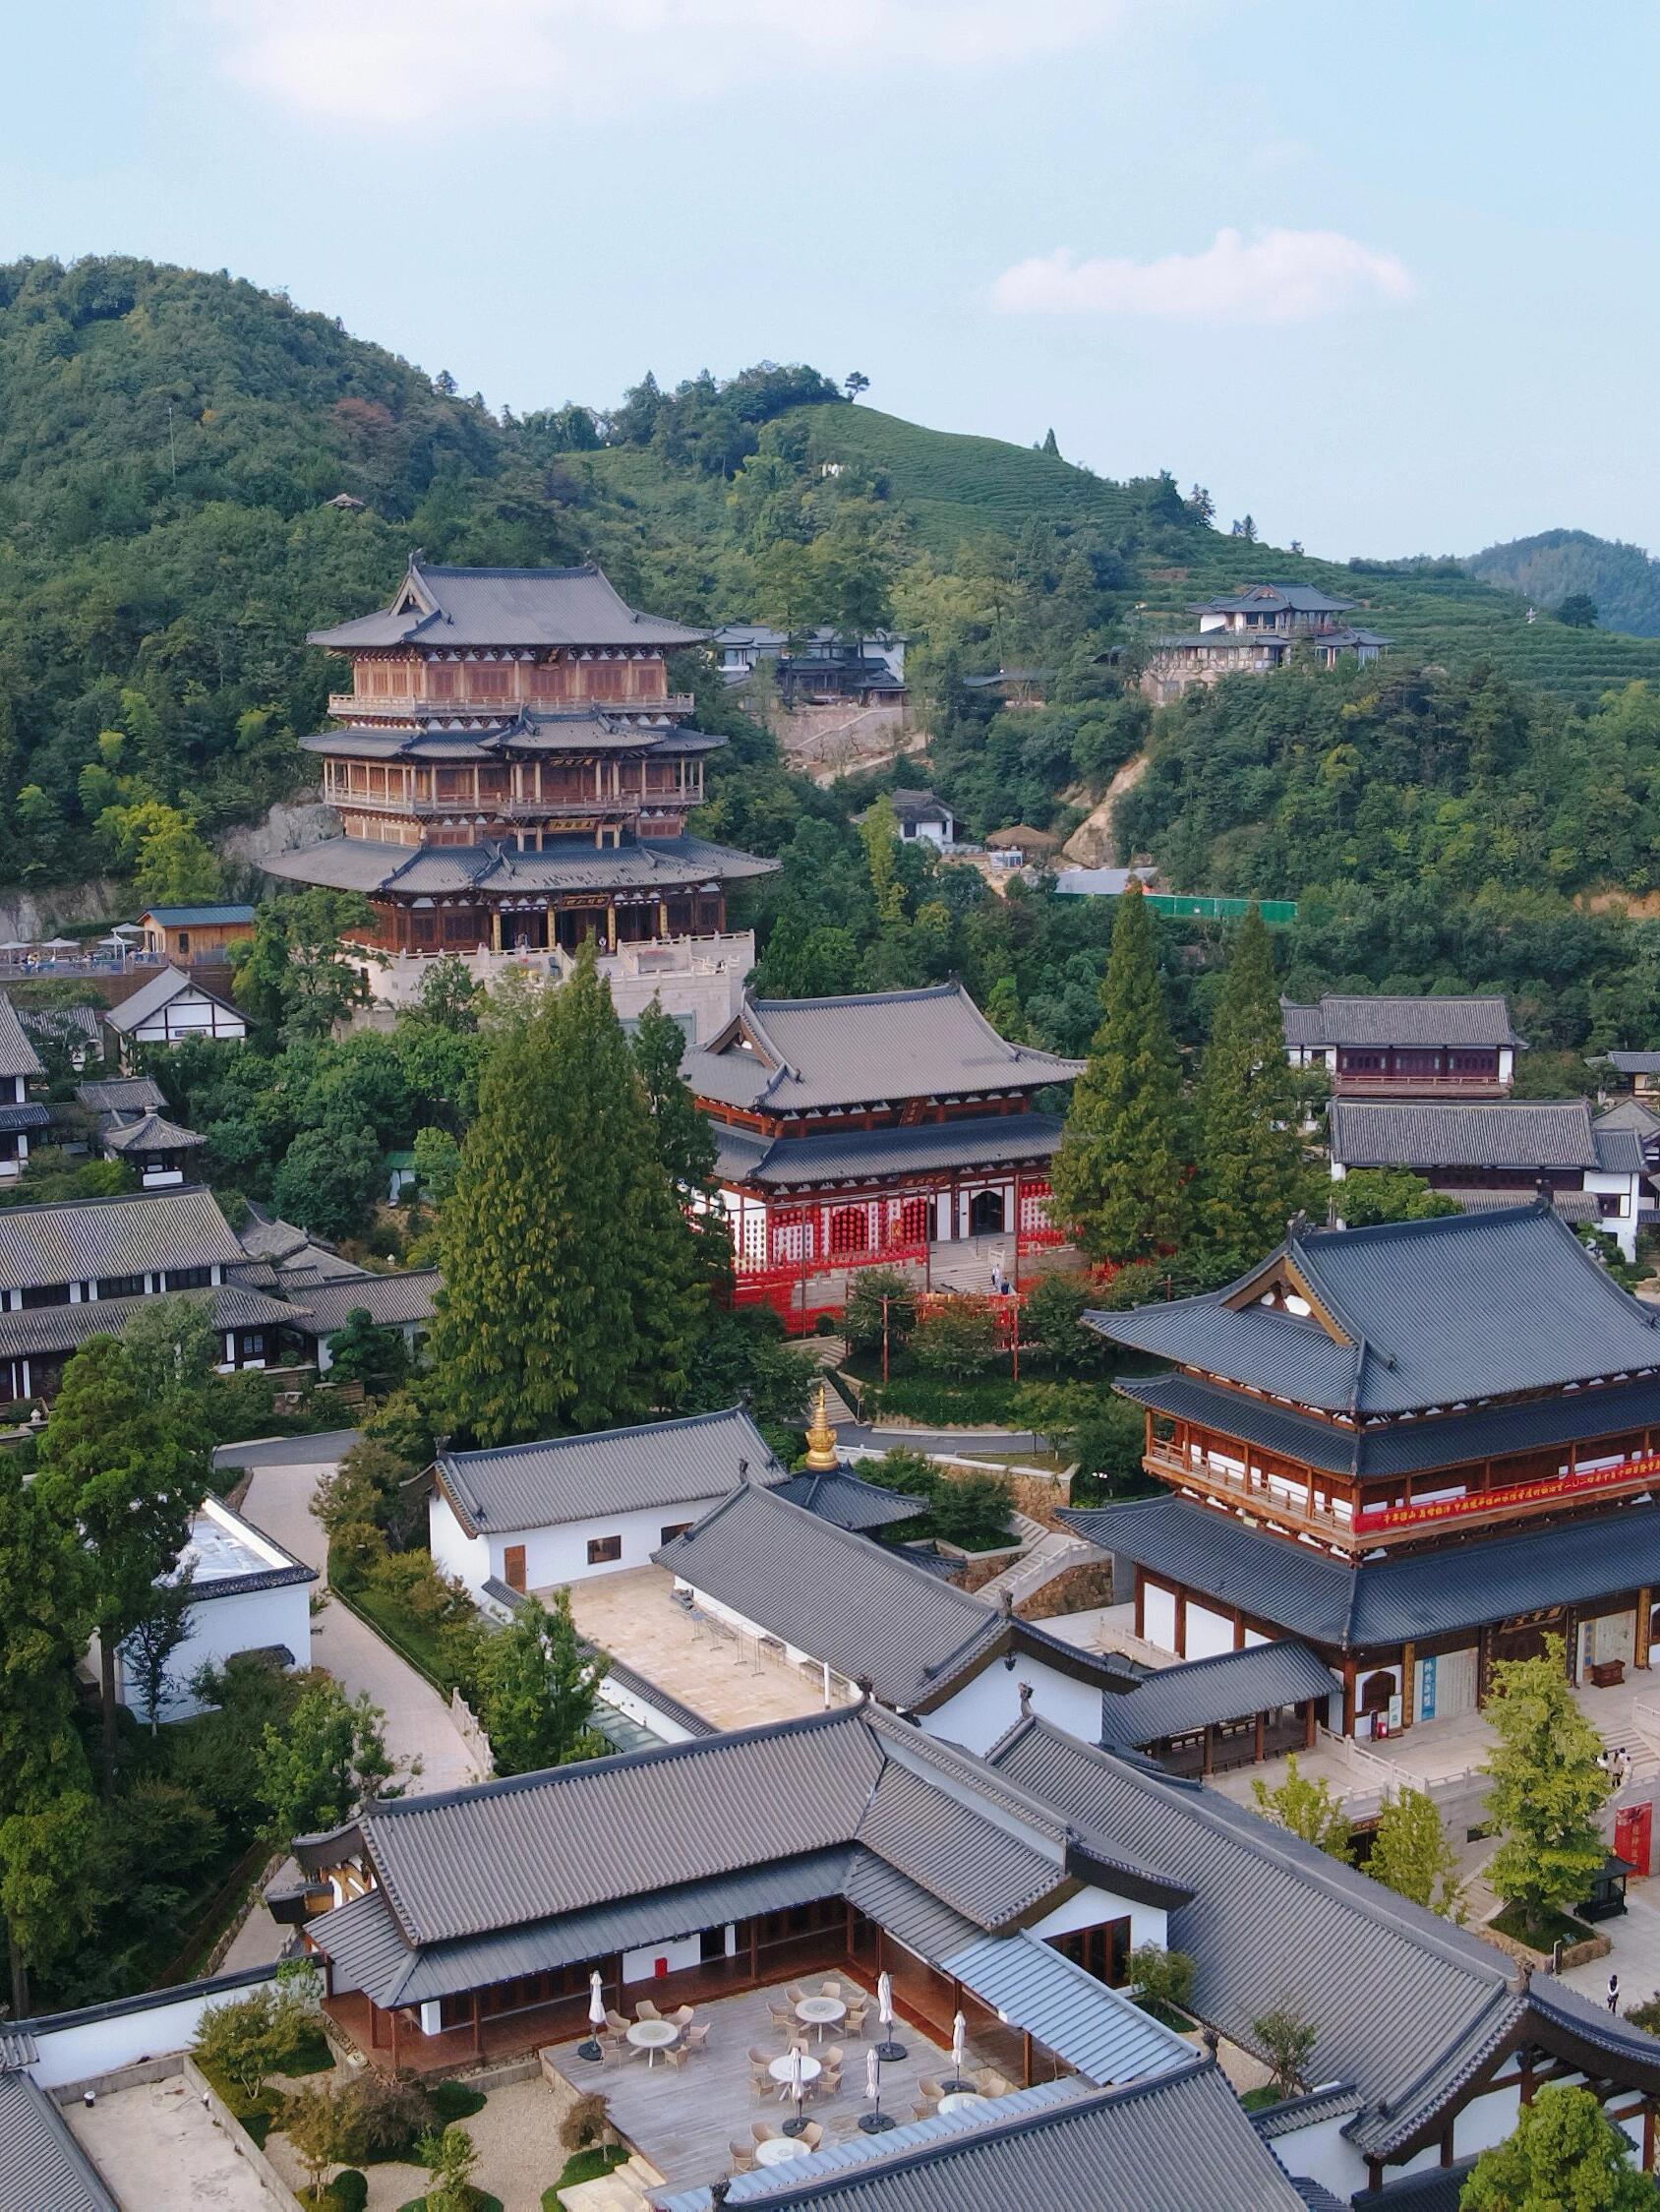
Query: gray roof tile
point(1509, 1133)
point(17, 1056)
point(389, 1300)
point(802, 1053)
point(149, 1132)
point(981, 1870)
point(455, 607)
point(610, 1470)
point(80, 1240)
point(40, 1332)
point(42, 2168)
point(1384, 1021)
point(746, 1156)
point(123, 1094)
point(160, 990)
point(1635, 1063)
point(838, 1496)
point(575, 863)
point(1232, 1685)
point(867, 1612)
point(1098, 2030)
point(1433, 1313)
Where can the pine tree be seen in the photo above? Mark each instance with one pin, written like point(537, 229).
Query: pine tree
point(686, 1143)
point(570, 1297)
point(1119, 1175)
point(127, 1464)
point(48, 1822)
point(1251, 1174)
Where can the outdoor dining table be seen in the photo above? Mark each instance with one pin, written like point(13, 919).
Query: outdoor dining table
point(965, 2100)
point(820, 2012)
point(777, 2148)
point(652, 2036)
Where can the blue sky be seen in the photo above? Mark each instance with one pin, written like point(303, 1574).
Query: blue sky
point(1383, 275)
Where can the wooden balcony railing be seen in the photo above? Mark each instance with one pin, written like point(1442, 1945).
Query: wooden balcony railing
point(350, 706)
point(1250, 1491)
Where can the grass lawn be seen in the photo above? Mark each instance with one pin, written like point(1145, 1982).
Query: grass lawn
point(477, 2201)
point(582, 2166)
point(1555, 1927)
point(1259, 2100)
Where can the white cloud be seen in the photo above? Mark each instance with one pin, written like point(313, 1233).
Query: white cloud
point(1273, 276)
point(436, 64)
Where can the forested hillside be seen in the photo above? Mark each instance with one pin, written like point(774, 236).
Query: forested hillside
point(1622, 581)
point(170, 442)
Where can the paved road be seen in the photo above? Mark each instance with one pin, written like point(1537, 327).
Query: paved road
point(983, 1443)
point(418, 1723)
point(324, 1448)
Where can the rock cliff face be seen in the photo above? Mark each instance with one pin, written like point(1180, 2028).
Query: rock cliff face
point(33, 917)
point(1091, 844)
point(289, 827)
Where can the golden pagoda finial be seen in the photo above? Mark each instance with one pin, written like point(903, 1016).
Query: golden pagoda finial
point(822, 1437)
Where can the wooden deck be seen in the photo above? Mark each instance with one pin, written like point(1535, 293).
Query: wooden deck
point(685, 2120)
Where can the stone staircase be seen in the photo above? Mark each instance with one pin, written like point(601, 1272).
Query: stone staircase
point(626, 2189)
point(1050, 1552)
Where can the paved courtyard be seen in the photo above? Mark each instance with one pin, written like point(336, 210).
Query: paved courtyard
point(633, 1617)
point(156, 2148)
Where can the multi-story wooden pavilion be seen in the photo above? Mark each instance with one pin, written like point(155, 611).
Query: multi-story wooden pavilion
point(854, 1131)
point(1420, 1449)
point(511, 770)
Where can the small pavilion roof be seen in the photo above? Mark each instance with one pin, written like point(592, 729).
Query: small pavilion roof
point(838, 1495)
point(1172, 1701)
point(1408, 1316)
point(148, 1133)
point(1350, 1019)
point(794, 1055)
point(455, 609)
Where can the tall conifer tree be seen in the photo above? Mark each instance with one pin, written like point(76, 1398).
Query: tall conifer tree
point(1252, 1177)
point(1119, 1175)
point(686, 1143)
point(570, 1297)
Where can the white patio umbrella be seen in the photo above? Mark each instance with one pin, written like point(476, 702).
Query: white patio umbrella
point(959, 2038)
point(596, 2020)
point(798, 2082)
point(875, 2120)
point(888, 2049)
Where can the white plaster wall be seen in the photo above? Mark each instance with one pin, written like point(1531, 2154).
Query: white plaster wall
point(1208, 1633)
point(1320, 2154)
point(453, 1551)
point(1092, 1908)
point(680, 1950)
point(1623, 1227)
point(555, 1556)
point(79, 2051)
point(988, 1706)
point(219, 1628)
point(1159, 1617)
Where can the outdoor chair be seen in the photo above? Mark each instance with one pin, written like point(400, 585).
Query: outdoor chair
point(761, 2073)
point(677, 2055)
point(923, 2111)
point(763, 2130)
point(932, 2090)
point(856, 2019)
point(795, 1991)
point(831, 2059)
point(812, 2134)
point(742, 2155)
point(990, 2083)
point(696, 2040)
point(683, 2017)
point(617, 2026)
point(647, 2011)
point(829, 1988)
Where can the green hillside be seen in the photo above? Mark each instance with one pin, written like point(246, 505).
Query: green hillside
point(1621, 579)
point(171, 444)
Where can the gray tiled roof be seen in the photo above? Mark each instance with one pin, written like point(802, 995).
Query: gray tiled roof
point(1181, 2142)
point(389, 1300)
point(1333, 2101)
point(1402, 1447)
point(574, 864)
point(1620, 1147)
point(610, 1470)
point(17, 1056)
point(866, 1611)
point(1385, 1601)
point(456, 608)
point(1097, 2029)
point(1507, 1133)
point(41, 1332)
point(1266, 598)
point(24, 1118)
point(74, 1027)
point(42, 2168)
point(805, 1053)
point(1433, 1313)
point(18, 2049)
point(1632, 1115)
point(465, 1862)
point(989, 1876)
point(1389, 1987)
point(915, 1916)
point(150, 1132)
point(1384, 1021)
point(838, 1496)
point(1171, 1701)
point(989, 1140)
point(123, 1094)
point(80, 1240)
point(160, 990)
point(517, 733)
point(1634, 1063)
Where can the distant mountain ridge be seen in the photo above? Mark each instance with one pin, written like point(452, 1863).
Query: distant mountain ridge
point(1552, 566)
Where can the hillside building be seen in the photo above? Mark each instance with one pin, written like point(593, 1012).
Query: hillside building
point(924, 818)
point(20, 1117)
point(1594, 1173)
point(512, 772)
point(201, 934)
point(170, 1008)
point(1252, 633)
point(855, 1131)
point(1390, 1048)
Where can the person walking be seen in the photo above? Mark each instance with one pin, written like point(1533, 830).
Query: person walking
point(1614, 1993)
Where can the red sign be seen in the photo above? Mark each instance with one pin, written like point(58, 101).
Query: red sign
point(1575, 1486)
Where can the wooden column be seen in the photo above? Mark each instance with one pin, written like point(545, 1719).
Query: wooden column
point(1206, 1767)
point(478, 2026)
point(1648, 2137)
point(754, 1949)
point(1181, 1623)
point(395, 2039)
point(1141, 1604)
point(1026, 2083)
point(1238, 1630)
point(1261, 1727)
point(1408, 1677)
point(1311, 1721)
point(1348, 1697)
point(1639, 1649)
